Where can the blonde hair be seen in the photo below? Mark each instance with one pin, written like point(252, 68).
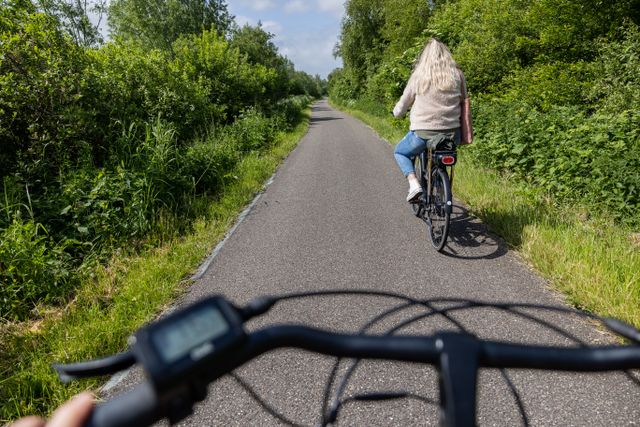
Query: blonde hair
point(435, 67)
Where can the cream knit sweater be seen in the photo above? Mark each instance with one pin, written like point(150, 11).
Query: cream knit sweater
point(434, 110)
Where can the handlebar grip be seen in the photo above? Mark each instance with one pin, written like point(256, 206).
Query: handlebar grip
point(138, 407)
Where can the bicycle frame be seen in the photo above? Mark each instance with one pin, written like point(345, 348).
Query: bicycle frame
point(426, 158)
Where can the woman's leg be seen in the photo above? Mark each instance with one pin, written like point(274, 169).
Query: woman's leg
point(409, 147)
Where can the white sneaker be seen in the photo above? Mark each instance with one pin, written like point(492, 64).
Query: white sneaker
point(414, 194)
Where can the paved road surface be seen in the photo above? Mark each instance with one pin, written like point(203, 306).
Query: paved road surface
point(335, 218)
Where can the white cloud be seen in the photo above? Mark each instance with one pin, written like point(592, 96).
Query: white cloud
point(332, 6)
point(272, 27)
point(296, 6)
point(244, 20)
point(312, 53)
point(261, 5)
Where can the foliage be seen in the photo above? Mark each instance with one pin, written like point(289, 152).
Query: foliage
point(222, 72)
point(32, 269)
point(374, 33)
point(617, 83)
point(74, 18)
point(361, 44)
point(547, 85)
point(119, 298)
point(39, 92)
point(404, 20)
point(113, 146)
point(96, 210)
point(159, 23)
point(491, 38)
point(580, 159)
point(255, 43)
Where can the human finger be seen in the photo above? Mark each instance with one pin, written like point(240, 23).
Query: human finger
point(74, 413)
point(29, 422)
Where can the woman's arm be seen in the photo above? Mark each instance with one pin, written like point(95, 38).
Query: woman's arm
point(405, 102)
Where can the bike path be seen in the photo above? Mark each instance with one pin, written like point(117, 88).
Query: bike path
point(335, 218)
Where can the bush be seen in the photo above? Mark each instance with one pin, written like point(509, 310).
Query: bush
point(545, 86)
point(231, 83)
point(41, 121)
point(209, 161)
point(576, 158)
point(104, 208)
point(617, 83)
point(127, 84)
point(107, 146)
point(32, 269)
point(290, 109)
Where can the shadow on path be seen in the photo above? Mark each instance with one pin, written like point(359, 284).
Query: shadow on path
point(467, 232)
point(319, 108)
point(323, 119)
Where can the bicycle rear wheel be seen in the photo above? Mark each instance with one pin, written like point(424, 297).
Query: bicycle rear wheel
point(439, 209)
point(418, 208)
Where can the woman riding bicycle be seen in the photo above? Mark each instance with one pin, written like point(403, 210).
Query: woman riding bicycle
point(437, 95)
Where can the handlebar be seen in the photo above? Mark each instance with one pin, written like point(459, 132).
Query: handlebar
point(456, 355)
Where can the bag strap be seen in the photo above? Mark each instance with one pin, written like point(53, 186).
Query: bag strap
point(463, 85)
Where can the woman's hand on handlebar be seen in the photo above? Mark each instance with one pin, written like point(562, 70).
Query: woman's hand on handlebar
point(73, 413)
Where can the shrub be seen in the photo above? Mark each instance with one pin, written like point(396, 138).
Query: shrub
point(208, 161)
point(617, 80)
point(32, 269)
point(290, 109)
point(126, 84)
point(41, 122)
point(224, 74)
point(564, 152)
point(545, 86)
point(106, 146)
point(105, 208)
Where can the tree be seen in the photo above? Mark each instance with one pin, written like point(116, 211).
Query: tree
point(256, 44)
point(404, 20)
point(158, 23)
point(361, 44)
point(375, 31)
point(74, 18)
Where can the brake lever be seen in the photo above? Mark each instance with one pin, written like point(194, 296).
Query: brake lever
point(94, 368)
point(256, 307)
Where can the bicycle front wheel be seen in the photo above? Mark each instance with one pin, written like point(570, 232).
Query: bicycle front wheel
point(439, 208)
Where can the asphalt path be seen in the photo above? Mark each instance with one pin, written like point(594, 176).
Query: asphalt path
point(335, 217)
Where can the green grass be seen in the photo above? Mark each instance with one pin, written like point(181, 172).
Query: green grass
point(121, 297)
point(594, 262)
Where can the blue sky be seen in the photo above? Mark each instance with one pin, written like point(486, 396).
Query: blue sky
point(305, 31)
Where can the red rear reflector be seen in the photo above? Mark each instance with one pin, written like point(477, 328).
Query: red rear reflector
point(448, 160)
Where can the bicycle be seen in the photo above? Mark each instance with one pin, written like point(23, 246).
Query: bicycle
point(196, 345)
point(434, 170)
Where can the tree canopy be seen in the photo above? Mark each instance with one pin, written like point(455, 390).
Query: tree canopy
point(158, 23)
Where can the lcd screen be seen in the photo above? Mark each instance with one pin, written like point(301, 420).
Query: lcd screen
point(176, 339)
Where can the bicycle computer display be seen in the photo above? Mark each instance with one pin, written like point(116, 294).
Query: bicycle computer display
point(190, 334)
point(188, 342)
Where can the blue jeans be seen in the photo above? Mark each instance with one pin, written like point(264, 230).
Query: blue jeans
point(412, 145)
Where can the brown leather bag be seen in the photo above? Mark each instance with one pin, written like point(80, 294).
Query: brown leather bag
point(466, 122)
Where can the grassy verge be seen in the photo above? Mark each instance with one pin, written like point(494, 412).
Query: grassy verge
point(595, 263)
point(121, 297)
